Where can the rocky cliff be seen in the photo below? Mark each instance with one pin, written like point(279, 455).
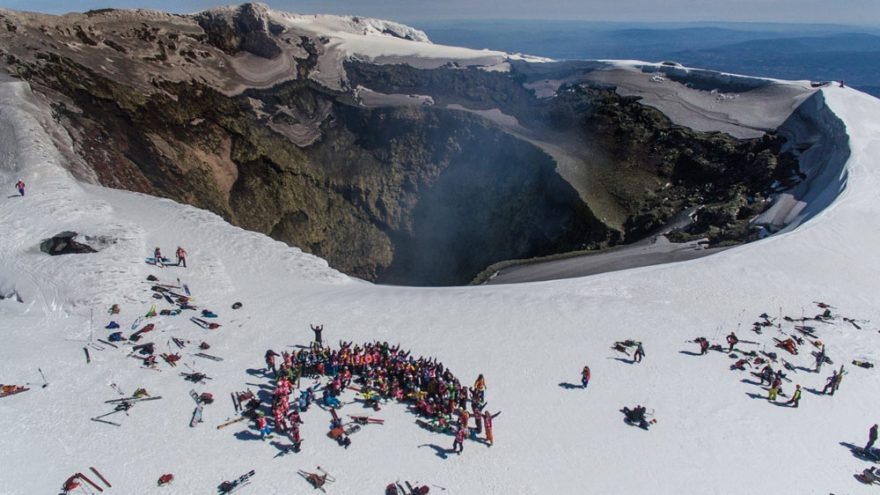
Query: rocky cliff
point(421, 172)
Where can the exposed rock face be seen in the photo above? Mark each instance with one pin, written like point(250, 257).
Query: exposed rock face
point(247, 29)
point(64, 243)
point(427, 194)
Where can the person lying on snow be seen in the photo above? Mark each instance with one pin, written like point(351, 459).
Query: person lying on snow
point(636, 416)
point(329, 400)
point(789, 345)
point(741, 364)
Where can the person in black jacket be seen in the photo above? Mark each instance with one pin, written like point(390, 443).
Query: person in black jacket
point(318, 329)
point(872, 437)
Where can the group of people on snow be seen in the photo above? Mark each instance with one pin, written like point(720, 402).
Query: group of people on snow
point(379, 372)
point(161, 261)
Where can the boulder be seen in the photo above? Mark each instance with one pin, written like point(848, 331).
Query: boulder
point(64, 243)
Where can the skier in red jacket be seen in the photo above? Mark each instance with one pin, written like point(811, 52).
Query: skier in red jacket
point(585, 376)
point(732, 340)
point(262, 425)
point(181, 257)
point(487, 422)
point(458, 444)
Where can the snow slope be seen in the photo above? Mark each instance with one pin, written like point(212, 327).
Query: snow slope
point(527, 339)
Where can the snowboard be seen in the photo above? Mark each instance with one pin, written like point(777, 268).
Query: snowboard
point(827, 359)
point(196, 417)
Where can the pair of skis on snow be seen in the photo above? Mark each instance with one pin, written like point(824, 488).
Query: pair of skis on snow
point(231, 486)
point(88, 480)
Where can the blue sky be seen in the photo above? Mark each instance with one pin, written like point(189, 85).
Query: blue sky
point(794, 11)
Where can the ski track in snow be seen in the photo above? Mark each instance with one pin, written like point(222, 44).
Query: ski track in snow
point(526, 339)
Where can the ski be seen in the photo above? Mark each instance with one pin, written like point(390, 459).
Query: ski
point(99, 420)
point(178, 342)
point(231, 486)
point(13, 391)
point(111, 344)
point(204, 324)
point(224, 425)
point(132, 399)
point(235, 404)
point(186, 289)
point(366, 419)
point(196, 377)
point(87, 480)
point(167, 358)
point(102, 478)
point(208, 356)
point(166, 286)
point(88, 357)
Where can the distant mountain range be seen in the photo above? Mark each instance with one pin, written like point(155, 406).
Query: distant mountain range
point(815, 52)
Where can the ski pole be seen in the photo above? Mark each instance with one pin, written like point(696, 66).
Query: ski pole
point(45, 382)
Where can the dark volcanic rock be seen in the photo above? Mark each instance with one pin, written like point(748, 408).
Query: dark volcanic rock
point(64, 243)
point(426, 194)
point(249, 31)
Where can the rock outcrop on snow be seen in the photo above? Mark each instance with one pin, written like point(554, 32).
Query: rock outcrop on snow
point(65, 243)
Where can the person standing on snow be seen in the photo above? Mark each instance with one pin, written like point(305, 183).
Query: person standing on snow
point(767, 374)
point(458, 444)
point(478, 419)
point(263, 425)
point(732, 340)
point(20, 186)
point(181, 257)
point(839, 379)
point(157, 255)
point(294, 435)
point(829, 382)
point(270, 361)
point(487, 421)
point(704, 345)
point(639, 354)
point(795, 397)
point(318, 329)
point(872, 437)
point(774, 390)
point(480, 388)
point(585, 376)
